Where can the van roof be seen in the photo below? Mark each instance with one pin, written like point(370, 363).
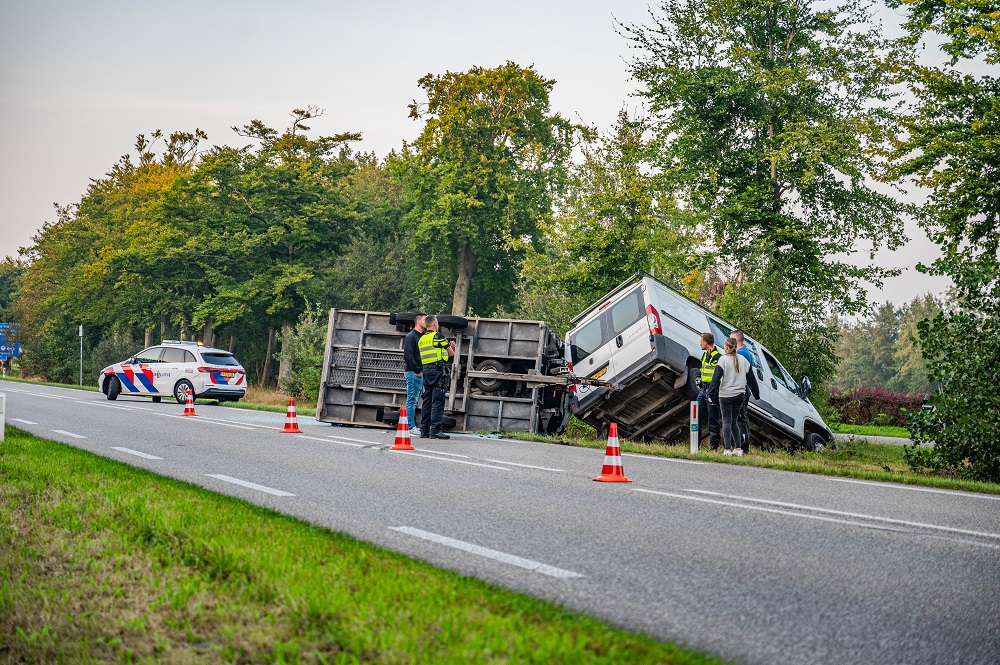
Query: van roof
point(631, 281)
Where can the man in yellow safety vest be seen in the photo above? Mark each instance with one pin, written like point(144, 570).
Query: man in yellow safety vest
point(435, 350)
point(706, 409)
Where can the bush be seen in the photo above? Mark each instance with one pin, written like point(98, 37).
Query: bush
point(874, 406)
point(305, 353)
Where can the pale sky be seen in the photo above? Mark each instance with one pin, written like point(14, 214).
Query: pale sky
point(79, 80)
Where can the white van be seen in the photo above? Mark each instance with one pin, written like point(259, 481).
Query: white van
point(644, 338)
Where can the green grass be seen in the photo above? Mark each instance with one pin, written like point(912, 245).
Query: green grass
point(872, 430)
point(856, 458)
point(103, 562)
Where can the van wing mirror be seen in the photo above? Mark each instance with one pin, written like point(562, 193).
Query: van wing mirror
point(805, 387)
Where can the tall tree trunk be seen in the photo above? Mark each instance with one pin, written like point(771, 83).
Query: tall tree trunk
point(208, 334)
point(265, 376)
point(163, 329)
point(285, 362)
point(183, 331)
point(148, 340)
point(232, 343)
point(466, 266)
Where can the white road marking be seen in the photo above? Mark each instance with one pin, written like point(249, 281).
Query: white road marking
point(106, 406)
point(22, 420)
point(316, 438)
point(135, 452)
point(527, 466)
point(453, 461)
point(663, 459)
point(968, 495)
point(363, 442)
point(486, 552)
point(245, 483)
point(75, 436)
point(873, 518)
point(204, 420)
point(46, 395)
point(438, 452)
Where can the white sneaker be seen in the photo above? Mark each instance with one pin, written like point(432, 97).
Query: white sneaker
point(414, 431)
point(727, 451)
point(738, 452)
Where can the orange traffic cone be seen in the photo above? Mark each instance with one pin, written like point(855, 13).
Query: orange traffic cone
point(612, 471)
point(291, 424)
point(402, 441)
point(189, 405)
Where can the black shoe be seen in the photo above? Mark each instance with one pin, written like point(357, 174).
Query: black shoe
point(424, 435)
point(439, 435)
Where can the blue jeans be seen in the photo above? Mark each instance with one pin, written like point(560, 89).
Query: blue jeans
point(414, 388)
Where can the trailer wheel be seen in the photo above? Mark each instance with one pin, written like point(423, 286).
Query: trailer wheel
point(452, 322)
point(489, 385)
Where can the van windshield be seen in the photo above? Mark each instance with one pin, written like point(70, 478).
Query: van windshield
point(586, 340)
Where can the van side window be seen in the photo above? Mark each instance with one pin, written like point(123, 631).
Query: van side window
point(626, 312)
point(586, 340)
point(720, 331)
point(775, 368)
point(752, 347)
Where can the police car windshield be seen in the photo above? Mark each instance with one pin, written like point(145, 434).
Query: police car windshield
point(224, 359)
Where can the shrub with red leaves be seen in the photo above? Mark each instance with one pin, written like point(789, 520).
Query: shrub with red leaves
point(874, 406)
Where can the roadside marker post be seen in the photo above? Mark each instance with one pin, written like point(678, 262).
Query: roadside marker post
point(694, 428)
point(3, 414)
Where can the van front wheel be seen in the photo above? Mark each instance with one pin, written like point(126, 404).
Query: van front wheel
point(815, 442)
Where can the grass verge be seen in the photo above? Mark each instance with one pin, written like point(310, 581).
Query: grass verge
point(872, 430)
point(103, 562)
point(856, 458)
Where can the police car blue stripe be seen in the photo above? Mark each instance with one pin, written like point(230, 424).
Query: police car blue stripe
point(146, 382)
point(123, 377)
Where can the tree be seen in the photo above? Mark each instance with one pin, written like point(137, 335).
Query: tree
point(766, 114)
point(613, 221)
point(867, 350)
point(950, 143)
point(484, 172)
point(266, 220)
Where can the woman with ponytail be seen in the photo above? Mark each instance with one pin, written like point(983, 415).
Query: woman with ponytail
point(729, 384)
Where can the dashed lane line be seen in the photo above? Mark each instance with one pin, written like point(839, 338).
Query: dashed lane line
point(527, 466)
point(445, 459)
point(75, 436)
point(965, 495)
point(135, 452)
point(211, 422)
point(862, 516)
point(343, 443)
point(248, 484)
point(488, 553)
point(22, 420)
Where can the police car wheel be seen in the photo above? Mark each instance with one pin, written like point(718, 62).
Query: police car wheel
point(156, 399)
point(181, 391)
point(114, 388)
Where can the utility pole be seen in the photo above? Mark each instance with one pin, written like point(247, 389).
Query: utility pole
point(81, 354)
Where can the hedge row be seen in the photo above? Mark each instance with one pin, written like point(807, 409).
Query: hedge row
point(874, 406)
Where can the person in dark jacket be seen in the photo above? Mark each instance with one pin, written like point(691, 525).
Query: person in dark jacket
point(413, 370)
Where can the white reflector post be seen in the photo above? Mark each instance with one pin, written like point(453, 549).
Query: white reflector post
point(3, 414)
point(694, 427)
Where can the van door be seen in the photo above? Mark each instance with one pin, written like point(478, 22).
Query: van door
point(590, 355)
point(628, 335)
point(782, 402)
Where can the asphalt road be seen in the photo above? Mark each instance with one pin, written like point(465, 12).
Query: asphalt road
point(754, 565)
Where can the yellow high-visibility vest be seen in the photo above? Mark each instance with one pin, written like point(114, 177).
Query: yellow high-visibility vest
point(709, 360)
point(433, 347)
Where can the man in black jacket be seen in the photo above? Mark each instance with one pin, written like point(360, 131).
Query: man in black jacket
point(414, 370)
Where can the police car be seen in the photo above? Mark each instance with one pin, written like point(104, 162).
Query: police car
point(174, 367)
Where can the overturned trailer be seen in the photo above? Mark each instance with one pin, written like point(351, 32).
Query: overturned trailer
point(506, 375)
